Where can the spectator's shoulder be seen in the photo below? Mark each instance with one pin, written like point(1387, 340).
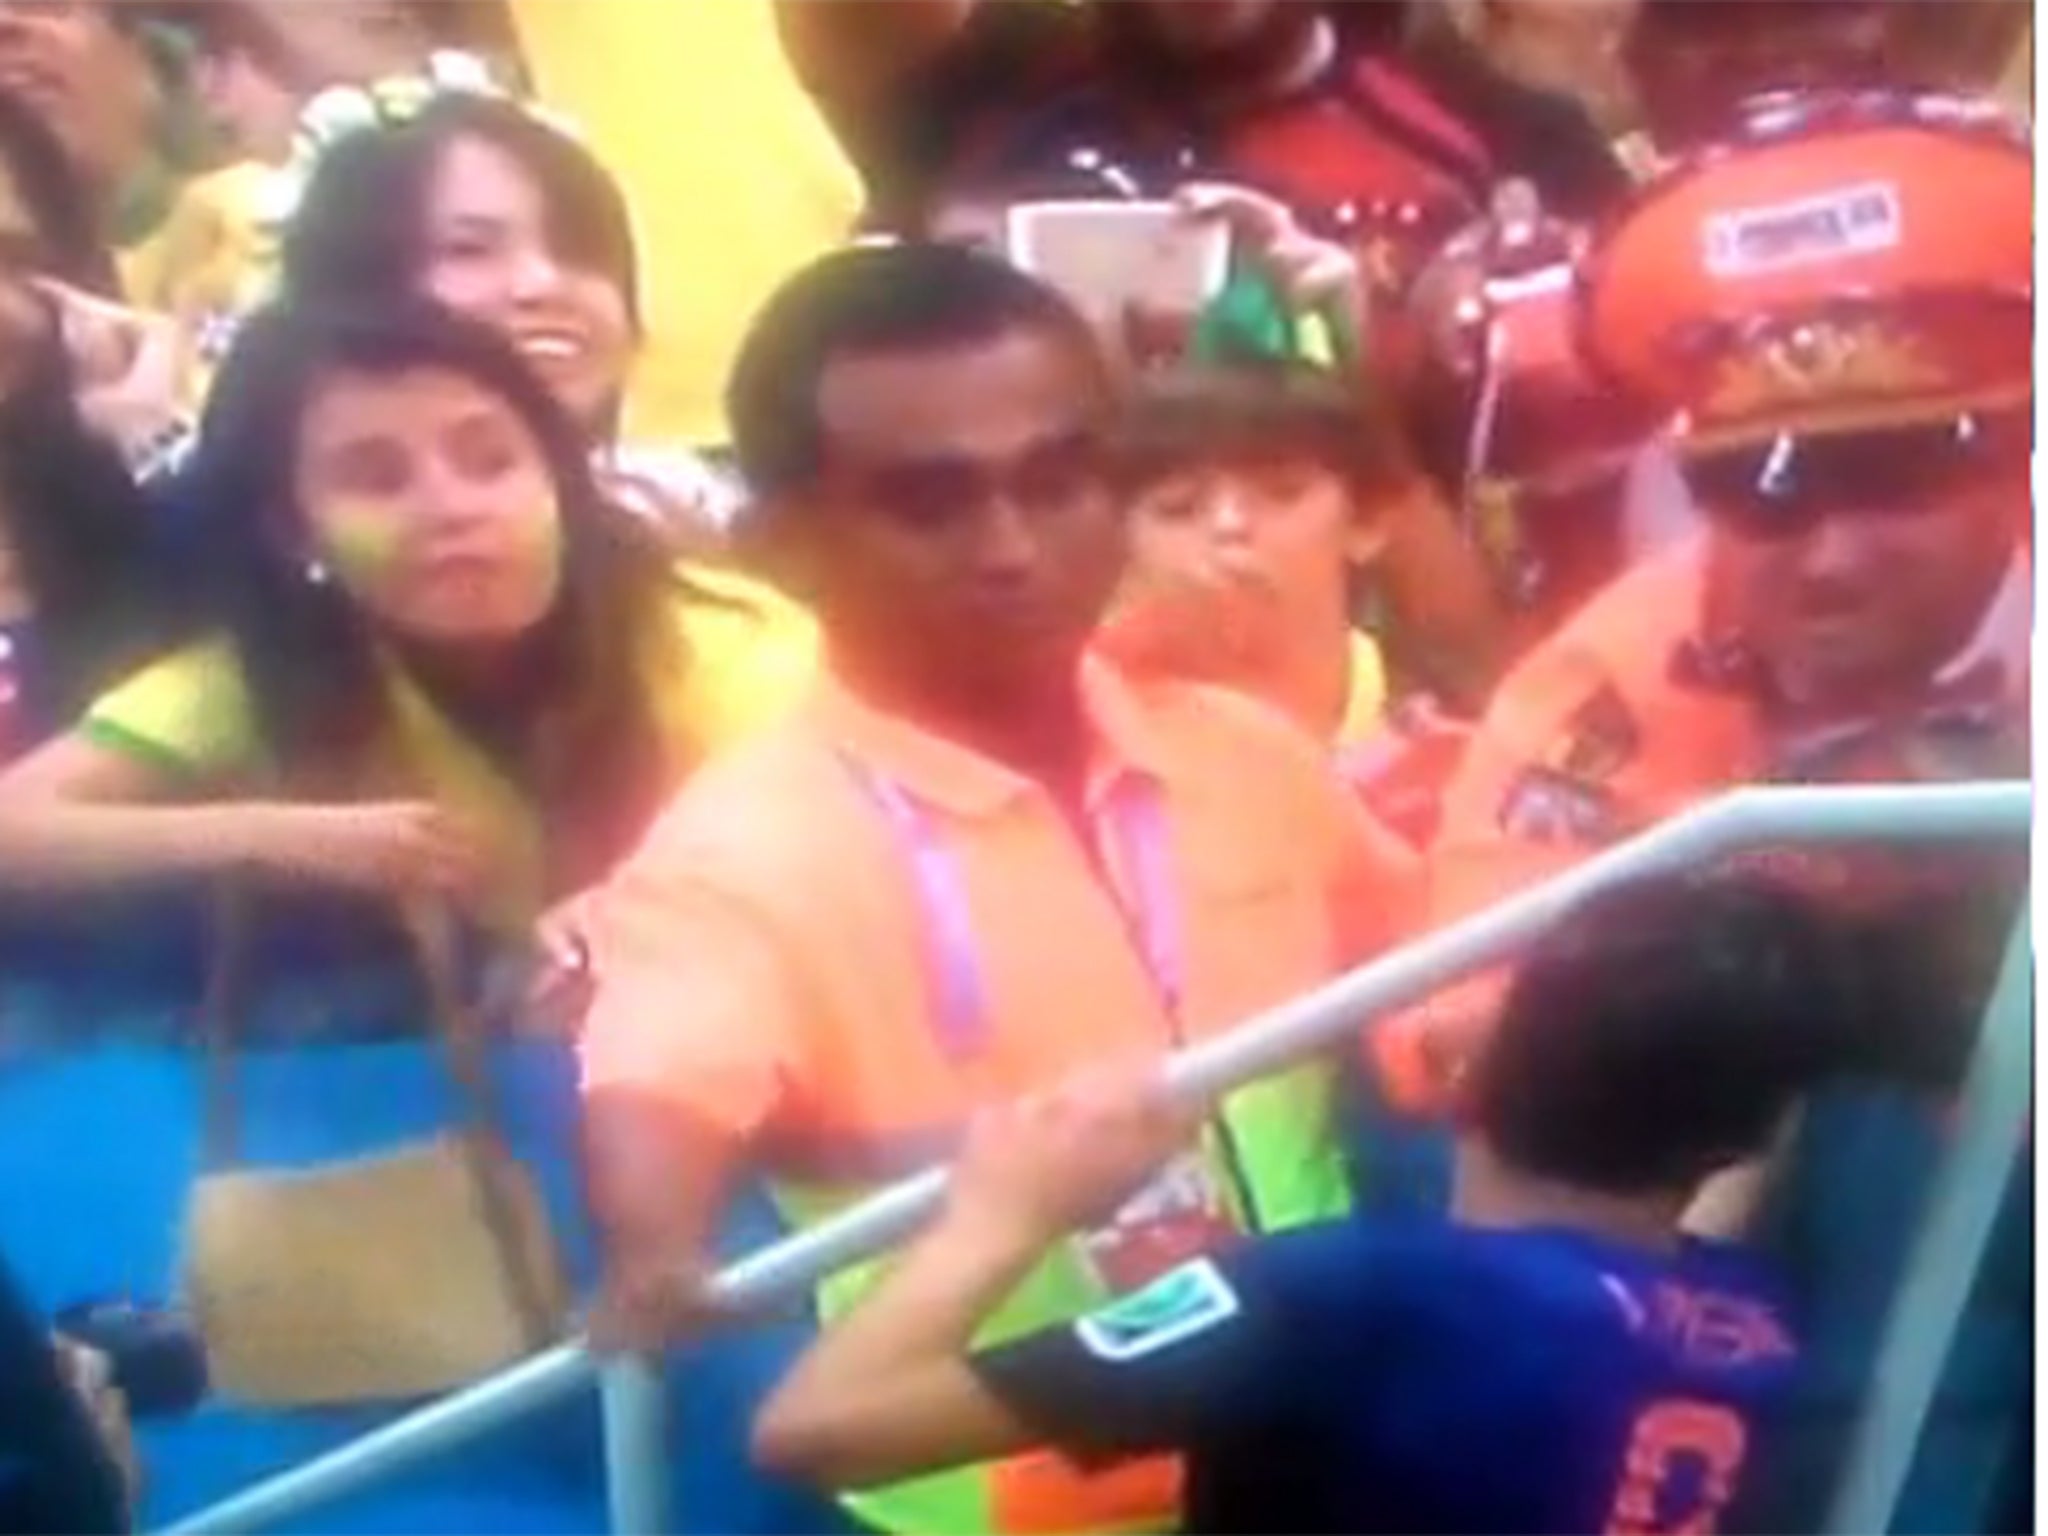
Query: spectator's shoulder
point(1620, 642)
point(1227, 727)
point(1333, 1272)
point(759, 818)
point(188, 710)
point(749, 657)
point(1649, 607)
point(1590, 732)
point(1233, 750)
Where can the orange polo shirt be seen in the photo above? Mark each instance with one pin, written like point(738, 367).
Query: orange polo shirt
point(764, 961)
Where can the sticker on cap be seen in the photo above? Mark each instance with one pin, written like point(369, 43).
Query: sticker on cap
point(1849, 221)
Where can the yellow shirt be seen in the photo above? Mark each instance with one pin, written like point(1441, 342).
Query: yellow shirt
point(197, 258)
point(732, 175)
point(1367, 700)
point(202, 264)
point(745, 656)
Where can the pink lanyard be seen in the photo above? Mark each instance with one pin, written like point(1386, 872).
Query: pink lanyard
point(1136, 821)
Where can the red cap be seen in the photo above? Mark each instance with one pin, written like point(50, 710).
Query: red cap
point(1848, 261)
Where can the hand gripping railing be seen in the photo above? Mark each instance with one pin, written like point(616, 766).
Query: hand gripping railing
point(1951, 1240)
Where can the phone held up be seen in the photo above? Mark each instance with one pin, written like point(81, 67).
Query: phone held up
point(1140, 272)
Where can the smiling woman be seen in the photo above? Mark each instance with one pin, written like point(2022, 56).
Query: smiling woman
point(501, 216)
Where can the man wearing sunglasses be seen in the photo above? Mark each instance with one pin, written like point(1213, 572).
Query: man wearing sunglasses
point(1835, 313)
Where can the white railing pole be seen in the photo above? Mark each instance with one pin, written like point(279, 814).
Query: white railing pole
point(635, 1404)
point(384, 1452)
point(1275, 1039)
point(1962, 1209)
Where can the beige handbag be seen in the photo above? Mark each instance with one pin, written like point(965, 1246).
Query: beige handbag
point(395, 1275)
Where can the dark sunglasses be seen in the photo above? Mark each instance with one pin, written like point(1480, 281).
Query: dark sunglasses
point(1783, 486)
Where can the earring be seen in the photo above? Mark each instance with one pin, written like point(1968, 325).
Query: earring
point(316, 573)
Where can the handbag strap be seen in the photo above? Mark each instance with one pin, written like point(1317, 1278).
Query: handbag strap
point(430, 929)
point(221, 1007)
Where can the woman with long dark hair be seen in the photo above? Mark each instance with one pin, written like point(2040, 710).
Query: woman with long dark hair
point(446, 664)
point(504, 216)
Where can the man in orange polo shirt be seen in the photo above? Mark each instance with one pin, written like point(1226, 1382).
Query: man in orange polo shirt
point(979, 862)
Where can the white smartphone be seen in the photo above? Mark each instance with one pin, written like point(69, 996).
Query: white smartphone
point(1108, 256)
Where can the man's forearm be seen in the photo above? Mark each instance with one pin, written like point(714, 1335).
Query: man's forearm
point(657, 1177)
point(935, 1300)
point(888, 1391)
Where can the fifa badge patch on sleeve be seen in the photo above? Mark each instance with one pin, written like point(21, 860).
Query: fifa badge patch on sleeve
point(1178, 1305)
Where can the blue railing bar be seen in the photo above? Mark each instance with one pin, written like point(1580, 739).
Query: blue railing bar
point(635, 1403)
point(454, 1421)
point(1742, 818)
point(1968, 1193)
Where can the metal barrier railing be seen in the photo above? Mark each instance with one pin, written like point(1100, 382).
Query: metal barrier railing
point(1951, 1241)
point(1962, 1209)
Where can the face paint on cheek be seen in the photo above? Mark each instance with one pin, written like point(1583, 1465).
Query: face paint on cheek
point(363, 544)
point(366, 545)
point(540, 532)
point(532, 543)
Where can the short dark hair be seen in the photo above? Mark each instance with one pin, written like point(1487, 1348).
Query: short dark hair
point(889, 297)
point(1661, 1029)
point(1208, 410)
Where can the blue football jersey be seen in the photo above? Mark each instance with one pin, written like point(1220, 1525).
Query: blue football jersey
point(1421, 1377)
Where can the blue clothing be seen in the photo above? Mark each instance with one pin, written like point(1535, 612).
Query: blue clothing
point(1420, 1377)
point(1839, 1229)
point(106, 1127)
point(1401, 1164)
point(148, 933)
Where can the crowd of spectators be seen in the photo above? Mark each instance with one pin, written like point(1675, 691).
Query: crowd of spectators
point(834, 565)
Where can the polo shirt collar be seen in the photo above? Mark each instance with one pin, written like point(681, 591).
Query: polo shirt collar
point(963, 782)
